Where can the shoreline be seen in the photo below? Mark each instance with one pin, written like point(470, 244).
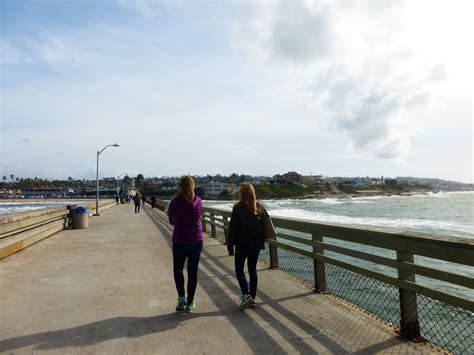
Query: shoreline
point(362, 194)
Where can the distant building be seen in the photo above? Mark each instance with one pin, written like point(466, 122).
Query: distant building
point(214, 188)
point(314, 178)
point(291, 177)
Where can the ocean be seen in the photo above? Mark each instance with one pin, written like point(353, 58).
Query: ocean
point(442, 213)
point(450, 213)
point(7, 208)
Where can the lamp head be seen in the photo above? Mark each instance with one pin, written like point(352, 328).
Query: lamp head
point(115, 145)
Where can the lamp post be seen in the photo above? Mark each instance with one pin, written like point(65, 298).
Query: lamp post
point(97, 177)
point(118, 182)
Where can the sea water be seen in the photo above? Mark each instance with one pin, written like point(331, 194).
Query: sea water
point(443, 213)
point(7, 208)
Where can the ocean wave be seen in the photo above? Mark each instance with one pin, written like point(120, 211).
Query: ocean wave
point(395, 223)
point(19, 209)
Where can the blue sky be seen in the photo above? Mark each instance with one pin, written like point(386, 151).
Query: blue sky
point(340, 88)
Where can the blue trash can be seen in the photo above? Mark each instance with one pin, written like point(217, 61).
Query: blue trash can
point(80, 217)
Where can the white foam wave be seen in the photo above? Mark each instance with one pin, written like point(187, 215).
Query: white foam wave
point(396, 223)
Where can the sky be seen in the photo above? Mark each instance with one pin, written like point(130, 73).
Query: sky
point(349, 88)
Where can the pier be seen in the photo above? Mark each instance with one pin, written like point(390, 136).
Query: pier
point(110, 289)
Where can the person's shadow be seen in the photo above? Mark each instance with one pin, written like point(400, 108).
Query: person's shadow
point(100, 331)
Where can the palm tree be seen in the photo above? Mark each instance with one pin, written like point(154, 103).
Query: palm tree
point(12, 177)
point(4, 178)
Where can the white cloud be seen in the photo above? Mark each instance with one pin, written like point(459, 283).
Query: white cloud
point(352, 65)
point(10, 54)
point(146, 8)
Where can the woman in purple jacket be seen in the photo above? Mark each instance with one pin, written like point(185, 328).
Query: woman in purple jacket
point(184, 213)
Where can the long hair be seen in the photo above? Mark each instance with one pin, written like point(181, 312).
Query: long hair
point(248, 197)
point(186, 188)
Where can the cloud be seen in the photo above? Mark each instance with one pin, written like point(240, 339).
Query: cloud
point(25, 140)
point(10, 54)
point(349, 64)
point(301, 35)
point(146, 8)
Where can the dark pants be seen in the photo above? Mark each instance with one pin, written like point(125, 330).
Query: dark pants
point(247, 251)
point(181, 252)
point(137, 207)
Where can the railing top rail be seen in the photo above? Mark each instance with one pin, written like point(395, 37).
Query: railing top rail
point(308, 226)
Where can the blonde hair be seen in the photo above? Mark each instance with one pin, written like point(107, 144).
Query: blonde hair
point(248, 197)
point(186, 188)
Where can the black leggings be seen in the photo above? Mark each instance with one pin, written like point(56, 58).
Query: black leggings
point(247, 251)
point(181, 252)
point(137, 207)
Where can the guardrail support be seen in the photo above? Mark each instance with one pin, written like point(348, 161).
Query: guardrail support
point(203, 222)
point(319, 267)
point(273, 256)
point(213, 226)
point(226, 228)
point(409, 323)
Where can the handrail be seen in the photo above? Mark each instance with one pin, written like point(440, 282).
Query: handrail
point(405, 245)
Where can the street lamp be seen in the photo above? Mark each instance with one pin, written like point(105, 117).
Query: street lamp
point(118, 182)
point(97, 177)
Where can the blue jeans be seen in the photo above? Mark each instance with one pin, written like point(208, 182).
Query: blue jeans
point(249, 251)
point(181, 252)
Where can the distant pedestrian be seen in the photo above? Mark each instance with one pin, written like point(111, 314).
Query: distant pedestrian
point(117, 199)
point(143, 199)
point(153, 201)
point(247, 233)
point(184, 213)
point(136, 199)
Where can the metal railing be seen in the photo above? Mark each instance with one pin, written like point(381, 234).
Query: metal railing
point(19, 230)
point(421, 284)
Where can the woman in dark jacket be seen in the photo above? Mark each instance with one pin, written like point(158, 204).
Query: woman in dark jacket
point(246, 232)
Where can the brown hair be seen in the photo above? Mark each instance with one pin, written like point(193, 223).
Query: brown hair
point(186, 188)
point(248, 197)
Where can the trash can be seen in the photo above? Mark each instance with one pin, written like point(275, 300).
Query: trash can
point(80, 217)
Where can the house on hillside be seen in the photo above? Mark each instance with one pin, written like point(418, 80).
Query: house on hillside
point(291, 177)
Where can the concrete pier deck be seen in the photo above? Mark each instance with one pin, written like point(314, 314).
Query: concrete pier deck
point(110, 289)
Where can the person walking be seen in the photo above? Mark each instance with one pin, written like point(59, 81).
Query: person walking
point(153, 201)
point(136, 200)
point(143, 200)
point(247, 233)
point(184, 213)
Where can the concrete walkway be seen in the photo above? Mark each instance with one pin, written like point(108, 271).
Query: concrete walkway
point(109, 289)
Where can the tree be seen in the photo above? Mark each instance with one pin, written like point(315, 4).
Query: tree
point(12, 177)
point(139, 180)
point(4, 178)
point(234, 178)
point(127, 181)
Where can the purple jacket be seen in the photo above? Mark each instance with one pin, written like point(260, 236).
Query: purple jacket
point(186, 218)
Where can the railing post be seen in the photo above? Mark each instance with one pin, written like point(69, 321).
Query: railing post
point(203, 221)
point(226, 228)
point(274, 264)
point(213, 226)
point(409, 323)
point(319, 267)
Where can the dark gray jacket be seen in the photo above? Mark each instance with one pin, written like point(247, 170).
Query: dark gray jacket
point(245, 227)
